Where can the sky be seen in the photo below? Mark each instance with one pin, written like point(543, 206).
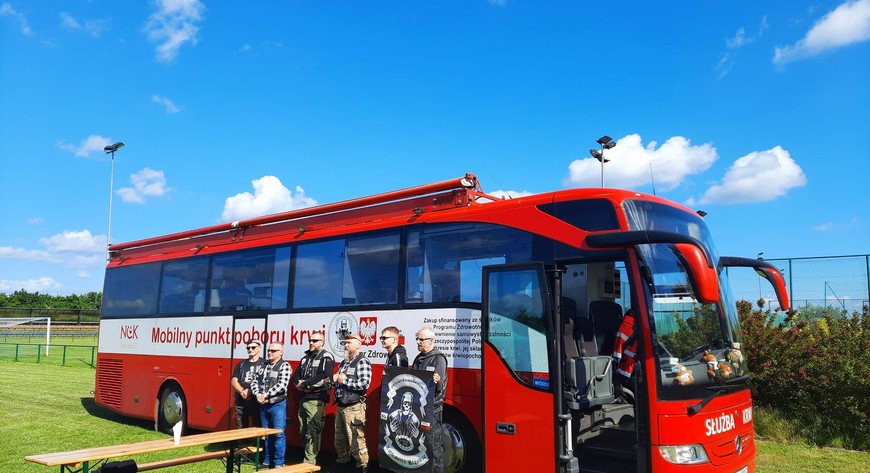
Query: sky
point(756, 112)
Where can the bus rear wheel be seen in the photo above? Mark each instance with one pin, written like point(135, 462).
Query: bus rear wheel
point(461, 446)
point(171, 408)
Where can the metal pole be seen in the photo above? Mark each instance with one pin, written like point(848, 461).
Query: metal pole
point(111, 188)
point(602, 166)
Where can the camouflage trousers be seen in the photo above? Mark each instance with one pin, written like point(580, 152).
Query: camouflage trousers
point(350, 434)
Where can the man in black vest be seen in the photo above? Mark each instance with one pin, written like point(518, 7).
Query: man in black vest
point(313, 379)
point(430, 359)
point(351, 383)
point(247, 408)
point(270, 388)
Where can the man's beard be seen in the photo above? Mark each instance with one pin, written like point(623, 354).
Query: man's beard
point(348, 356)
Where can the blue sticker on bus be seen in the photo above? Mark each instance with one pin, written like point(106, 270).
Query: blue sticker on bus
point(542, 383)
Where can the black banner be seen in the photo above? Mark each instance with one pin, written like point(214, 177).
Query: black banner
point(405, 442)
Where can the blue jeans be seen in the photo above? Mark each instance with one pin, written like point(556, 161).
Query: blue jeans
point(274, 416)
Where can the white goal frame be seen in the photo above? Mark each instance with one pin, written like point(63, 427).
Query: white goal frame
point(11, 322)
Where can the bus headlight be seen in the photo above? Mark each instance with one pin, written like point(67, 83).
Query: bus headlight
point(684, 454)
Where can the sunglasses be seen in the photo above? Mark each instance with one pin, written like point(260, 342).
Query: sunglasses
point(314, 340)
point(272, 351)
point(252, 348)
point(384, 338)
point(423, 339)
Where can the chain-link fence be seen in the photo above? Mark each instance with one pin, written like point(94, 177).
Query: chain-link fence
point(840, 282)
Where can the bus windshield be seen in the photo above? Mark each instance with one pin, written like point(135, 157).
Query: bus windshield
point(697, 345)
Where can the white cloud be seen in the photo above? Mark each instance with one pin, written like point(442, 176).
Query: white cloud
point(509, 194)
point(733, 45)
point(824, 227)
point(71, 249)
point(43, 284)
point(629, 165)
point(269, 197)
point(87, 146)
point(146, 183)
point(757, 177)
point(82, 242)
point(34, 220)
point(168, 104)
point(174, 24)
point(68, 21)
point(847, 24)
point(6, 9)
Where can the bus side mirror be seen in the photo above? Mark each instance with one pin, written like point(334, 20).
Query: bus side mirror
point(704, 279)
point(764, 269)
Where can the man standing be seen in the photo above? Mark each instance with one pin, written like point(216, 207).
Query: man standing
point(430, 359)
point(396, 354)
point(351, 383)
point(247, 408)
point(313, 380)
point(270, 388)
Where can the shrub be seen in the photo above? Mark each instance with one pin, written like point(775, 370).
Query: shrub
point(812, 367)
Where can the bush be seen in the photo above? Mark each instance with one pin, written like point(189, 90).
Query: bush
point(811, 366)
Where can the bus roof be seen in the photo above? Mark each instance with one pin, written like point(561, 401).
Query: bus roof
point(410, 204)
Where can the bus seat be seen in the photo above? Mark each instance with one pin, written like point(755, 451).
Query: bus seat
point(605, 316)
point(589, 381)
point(568, 312)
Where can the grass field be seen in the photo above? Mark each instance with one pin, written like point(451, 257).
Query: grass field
point(48, 408)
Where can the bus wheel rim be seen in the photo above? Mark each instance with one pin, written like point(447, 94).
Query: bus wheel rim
point(454, 448)
point(172, 408)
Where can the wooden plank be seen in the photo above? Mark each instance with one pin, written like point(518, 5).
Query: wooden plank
point(298, 468)
point(192, 459)
point(126, 450)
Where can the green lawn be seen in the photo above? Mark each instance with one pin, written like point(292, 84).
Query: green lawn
point(49, 408)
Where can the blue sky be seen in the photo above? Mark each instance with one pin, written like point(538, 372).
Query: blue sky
point(756, 112)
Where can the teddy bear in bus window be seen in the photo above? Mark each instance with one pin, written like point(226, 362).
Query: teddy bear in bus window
point(725, 371)
point(712, 364)
point(735, 358)
point(684, 376)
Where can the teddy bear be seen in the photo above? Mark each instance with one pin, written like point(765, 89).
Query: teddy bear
point(735, 358)
point(712, 364)
point(684, 376)
point(725, 371)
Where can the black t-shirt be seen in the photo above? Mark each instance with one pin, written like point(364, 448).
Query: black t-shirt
point(245, 372)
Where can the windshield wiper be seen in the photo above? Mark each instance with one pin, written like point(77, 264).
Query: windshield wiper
point(694, 409)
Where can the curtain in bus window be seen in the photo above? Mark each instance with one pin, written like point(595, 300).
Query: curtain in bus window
point(131, 290)
point(183, 285)
point(445, 262)
point(249, 280)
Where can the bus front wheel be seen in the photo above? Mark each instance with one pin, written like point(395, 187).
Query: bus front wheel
point(171, 408)
point(461, 446)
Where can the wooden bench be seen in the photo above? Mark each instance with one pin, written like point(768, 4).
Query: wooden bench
point(80, 460)
point(193, 459)
point(298, 468)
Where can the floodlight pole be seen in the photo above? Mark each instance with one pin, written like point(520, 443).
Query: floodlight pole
point(606, 142)
point(110, 149)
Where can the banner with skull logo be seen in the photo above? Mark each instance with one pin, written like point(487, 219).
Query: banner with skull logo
point(404, 440)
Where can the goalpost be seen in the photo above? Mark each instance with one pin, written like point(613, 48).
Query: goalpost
point(7, 323)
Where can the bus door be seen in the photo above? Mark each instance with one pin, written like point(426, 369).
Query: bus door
point(245, 327)
point(518, 420)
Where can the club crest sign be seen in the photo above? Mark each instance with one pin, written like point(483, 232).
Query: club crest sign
point(405, 442)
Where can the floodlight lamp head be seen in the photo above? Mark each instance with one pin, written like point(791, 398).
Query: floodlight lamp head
point(113, 147)
point(610, 145)
point(701, 213)
point(595, 154)
point(604, 140)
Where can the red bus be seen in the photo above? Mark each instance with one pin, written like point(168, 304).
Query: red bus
point(525, 296)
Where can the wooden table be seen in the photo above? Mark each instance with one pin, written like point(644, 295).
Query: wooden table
point(69, 460)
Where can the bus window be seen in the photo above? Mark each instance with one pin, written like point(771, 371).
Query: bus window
point(131, 290)
point(248, 280)
point(373, 269)
point(182, 287)
point(517, 324)
point(354, 271)
point(445, 262)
